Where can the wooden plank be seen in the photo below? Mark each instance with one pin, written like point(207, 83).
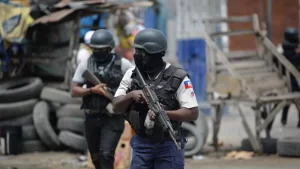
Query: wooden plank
point(241, 54)
point(289, 96)
point(233, 102)
point(255, 22)
point(259, 76)
point(257, 122)
point(245, 64)
point(268, 84)
point(282, 59)
point(230, 19)
point(232, 33)
point(256, 70)
point(220, 55)
point(272, 115)
point(254, 142)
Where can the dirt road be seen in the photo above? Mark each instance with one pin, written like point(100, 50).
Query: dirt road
point(70, 161)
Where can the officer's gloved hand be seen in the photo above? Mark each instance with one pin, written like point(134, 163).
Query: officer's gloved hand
point(149, 121)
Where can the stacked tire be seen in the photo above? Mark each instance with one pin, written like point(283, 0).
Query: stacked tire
point(70, 120)
point(50, 118)
point(18, 98)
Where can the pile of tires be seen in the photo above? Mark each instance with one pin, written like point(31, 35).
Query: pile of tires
point(18, 98)
point(70, 120)
point(50, 118)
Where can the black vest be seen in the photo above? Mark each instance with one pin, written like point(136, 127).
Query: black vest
point(166, 86)
point(109, 73)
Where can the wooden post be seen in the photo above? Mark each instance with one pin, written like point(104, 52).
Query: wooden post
point(74, 43)
point(253, 140)
point(217, 111)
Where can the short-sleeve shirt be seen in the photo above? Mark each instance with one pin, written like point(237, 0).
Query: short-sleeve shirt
point(185, 93)
point(125, 65)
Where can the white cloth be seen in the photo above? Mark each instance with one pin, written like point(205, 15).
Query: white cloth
point(126, 65)
point(82, 55)
point(88, 36)
point(185, 93)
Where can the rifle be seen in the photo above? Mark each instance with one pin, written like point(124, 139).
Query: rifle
point(89, 76)
point(154, 105)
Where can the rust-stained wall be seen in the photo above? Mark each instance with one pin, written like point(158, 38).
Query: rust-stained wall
point(284, 14)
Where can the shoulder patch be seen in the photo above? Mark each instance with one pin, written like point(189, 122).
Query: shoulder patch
point(187, 84)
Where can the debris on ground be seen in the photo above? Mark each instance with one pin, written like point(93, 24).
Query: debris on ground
point(239, 155)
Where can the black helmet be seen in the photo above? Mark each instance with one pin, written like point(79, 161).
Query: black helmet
point(291, 34)
point(102, 38)
point(151, 40)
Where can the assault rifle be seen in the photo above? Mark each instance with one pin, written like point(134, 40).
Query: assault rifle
point(89, 76)
point(154, 105)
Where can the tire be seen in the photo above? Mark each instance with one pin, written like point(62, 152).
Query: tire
point(289, 147)
point(198, 137)
point(20, 121)
point(29, 133)
point(197, 133)
point(73, 141)
point(72, 124)
point(269, 145)
point(202, 126)
point(17, 109)
point(42, 124)
point(20, 89)
point(191, 142)
point(70, 110)
point(58, 96)
point(33, 146)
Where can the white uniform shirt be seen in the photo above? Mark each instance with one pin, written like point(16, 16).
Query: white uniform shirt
point(185, 93)
point(83, 65)
point(83, 54)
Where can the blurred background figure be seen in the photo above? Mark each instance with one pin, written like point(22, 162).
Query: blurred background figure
point(84, 50)
point(126, 29)
point(291, 50)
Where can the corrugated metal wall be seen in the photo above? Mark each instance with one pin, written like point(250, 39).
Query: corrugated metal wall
point(186, 45)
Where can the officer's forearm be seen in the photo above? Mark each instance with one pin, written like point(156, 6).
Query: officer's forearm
point(121, 103)
point(78, 91)
point(183, 114)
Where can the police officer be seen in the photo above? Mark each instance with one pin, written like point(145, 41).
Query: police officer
point(175, 92)
point(101, 131)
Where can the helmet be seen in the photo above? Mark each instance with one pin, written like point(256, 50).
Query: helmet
point(87, 37)
point(102, 38)
point(151, 40)
point(291, 34)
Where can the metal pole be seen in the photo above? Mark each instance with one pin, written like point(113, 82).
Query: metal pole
point(269, 19)
point(299, 17)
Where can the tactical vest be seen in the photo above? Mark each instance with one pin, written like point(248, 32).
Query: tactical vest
point(109, 73)
point(165, 86)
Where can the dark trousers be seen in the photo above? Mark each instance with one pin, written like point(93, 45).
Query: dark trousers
point(295, 88)
point(147, 155)
point(103, 134)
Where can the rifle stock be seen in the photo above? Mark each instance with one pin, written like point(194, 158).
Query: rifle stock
point(89, 76)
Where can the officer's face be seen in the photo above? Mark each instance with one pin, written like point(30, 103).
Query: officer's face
point(101, 54)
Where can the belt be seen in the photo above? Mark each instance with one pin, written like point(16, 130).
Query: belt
point(91, 113)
